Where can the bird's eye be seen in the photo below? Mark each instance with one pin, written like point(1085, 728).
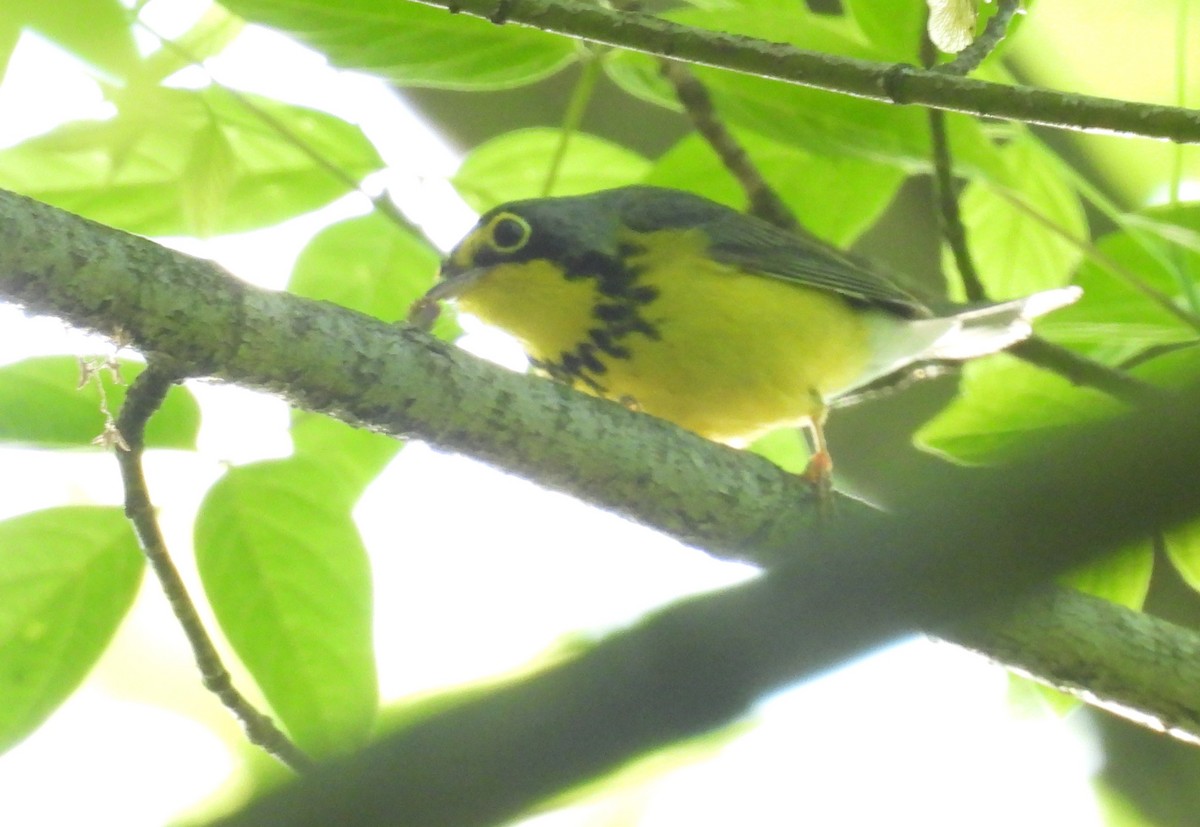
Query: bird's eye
point(509, 232)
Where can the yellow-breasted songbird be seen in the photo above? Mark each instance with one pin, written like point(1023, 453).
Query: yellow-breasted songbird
point(696, 313)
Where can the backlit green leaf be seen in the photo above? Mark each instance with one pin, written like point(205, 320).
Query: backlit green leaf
point(515, 165)
point(287, 576)
point(42, 404)
point(1005, 406)
point(1023, 237)
point(1183, 550)
point(97, 31)
point(351, 457)
point(67, 578)
point(415, 45)
point(834, 197)
point(1115, 320)
point(369, 264)
point(1122, 577)
point(191, 162)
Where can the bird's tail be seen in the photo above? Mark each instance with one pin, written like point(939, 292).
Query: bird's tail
point(984, 330)
point(966, 334)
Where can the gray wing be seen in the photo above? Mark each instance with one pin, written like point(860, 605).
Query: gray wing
point(758, 247)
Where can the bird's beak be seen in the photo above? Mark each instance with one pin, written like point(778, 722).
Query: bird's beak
point(453, 281)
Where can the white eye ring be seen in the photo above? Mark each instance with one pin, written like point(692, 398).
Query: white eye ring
point(509, 232)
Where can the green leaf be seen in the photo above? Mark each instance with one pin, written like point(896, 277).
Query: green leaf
point(288, 579)
point(41, 404)
point(894, 27)
point(96, 31)
point(785, 447)
point(818, 121)
point(215, 30)
point(67, 578)
point(515, 165)
point(1115, 321)
point(1122, 577)
point(834, 197)
point(369, 264)
point(192, 162)
point(352, 457)
point(1006, 406)
point(1014, 249)
point(1183, 550)
point(415, 45)
point(639, 75)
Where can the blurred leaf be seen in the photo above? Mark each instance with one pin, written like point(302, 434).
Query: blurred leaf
point(638, 74)
point(368, 264)
point(1005, 406)
point(834, 197)
point(97, 31)
point(1174, 369)
point(894, 27)
point(1029, 699)
point(515, 165)
point(191, 162)
point(785, 447)
point(1114, 321)
point(41, 404)
point(1122, 577)
point(67, 578)
point(415, 45)
point(1183, 550)
point(1015, 253)
point(643, 771)
point(215, 30)
point(288, 579)
point(1117, 809)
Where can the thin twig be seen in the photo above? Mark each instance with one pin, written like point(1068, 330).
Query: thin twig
point(1084, 371)
point(764, 202)
point(949, 217)
point(1132, 279)
point(144, 398)
point(1036, 351)
point(896, 83)
point(968, 59)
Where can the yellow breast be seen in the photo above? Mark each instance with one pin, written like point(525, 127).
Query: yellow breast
point(727, 354)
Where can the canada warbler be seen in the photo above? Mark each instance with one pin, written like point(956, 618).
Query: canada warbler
point(696, 313)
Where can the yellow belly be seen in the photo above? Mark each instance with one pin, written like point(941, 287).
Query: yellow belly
point(731, 355)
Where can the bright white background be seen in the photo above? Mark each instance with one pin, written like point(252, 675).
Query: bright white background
point(476, 572)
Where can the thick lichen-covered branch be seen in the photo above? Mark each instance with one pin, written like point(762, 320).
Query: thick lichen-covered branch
point(959, 543)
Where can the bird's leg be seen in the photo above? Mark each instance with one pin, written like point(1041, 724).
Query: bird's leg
point(819, 471)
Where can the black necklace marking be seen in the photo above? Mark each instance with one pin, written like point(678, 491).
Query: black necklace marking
point(619, 317)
